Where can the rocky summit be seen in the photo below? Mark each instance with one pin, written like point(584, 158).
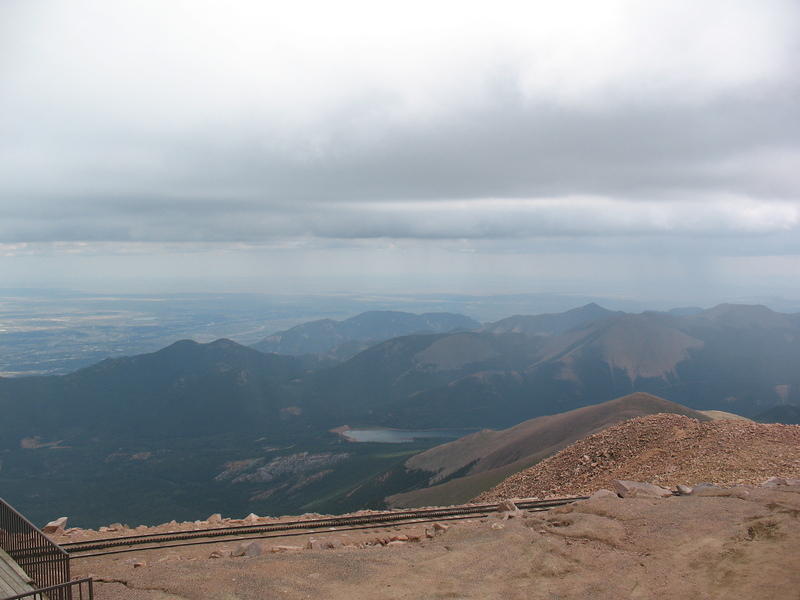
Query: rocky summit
point(663, 449)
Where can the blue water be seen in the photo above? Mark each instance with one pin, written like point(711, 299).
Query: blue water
point(398, 436)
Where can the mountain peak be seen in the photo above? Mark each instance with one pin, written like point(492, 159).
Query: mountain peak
point(744, 315)
point(592, 308)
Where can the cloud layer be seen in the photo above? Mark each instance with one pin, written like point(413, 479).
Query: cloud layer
point(500, 127)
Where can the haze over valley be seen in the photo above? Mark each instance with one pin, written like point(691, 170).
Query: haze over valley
point(198, 425)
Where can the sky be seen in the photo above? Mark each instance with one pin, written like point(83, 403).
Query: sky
point(647, 149)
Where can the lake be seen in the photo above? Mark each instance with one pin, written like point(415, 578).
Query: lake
point(399, 436)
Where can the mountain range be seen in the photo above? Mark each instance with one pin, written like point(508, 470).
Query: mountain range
point(741, 359)
point(735, 358)
point(343, 339)
point(202, 410)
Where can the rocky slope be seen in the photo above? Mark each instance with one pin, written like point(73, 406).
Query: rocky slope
point(477, 462)
point(664, 449)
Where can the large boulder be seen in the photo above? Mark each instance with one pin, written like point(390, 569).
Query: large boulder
point(638, 489)
point(603, 493)
point(55, 527)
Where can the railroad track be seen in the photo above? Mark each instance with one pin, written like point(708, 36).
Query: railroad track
point(153, 541)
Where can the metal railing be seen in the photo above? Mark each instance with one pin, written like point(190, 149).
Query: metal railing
point(80, 589)
point(43, 560)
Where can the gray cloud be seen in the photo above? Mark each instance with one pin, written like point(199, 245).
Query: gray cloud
point(664, 127)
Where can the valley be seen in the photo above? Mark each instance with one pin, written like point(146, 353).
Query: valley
point(195, 428)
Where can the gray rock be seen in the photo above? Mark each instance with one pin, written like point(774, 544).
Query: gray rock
point(508, 510)
point(704, 486)
point(253, 549)
point(285, 548)
point(638, 489)
point(507, 506)
point(684, 490)
point(775, 482)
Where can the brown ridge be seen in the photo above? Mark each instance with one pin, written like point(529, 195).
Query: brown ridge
point(665, 449)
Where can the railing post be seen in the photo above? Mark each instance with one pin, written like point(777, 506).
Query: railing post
point(44, 561)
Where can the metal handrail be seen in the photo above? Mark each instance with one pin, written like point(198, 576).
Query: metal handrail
point(62, 590)
point(44, 561)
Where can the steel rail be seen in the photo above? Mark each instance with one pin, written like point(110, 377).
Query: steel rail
point(347, 523)
point(286, 534)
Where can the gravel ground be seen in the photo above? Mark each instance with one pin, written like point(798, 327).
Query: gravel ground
point(742, 542)
point(665, 449)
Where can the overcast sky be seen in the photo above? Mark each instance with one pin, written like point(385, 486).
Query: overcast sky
point(599, 146)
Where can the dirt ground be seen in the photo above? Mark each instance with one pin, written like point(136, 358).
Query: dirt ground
point(741, 542)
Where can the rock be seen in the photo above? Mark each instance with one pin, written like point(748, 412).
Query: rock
point(440, 527)
point(734, 492)
point(105, 529)
point(171, 557)
point(332, 544)
point(429, 534)
point(399, 538)
point(704, 489)
point(396, 543)
point(684, 490)
point(508, 510)
point(603, 494)
point(285, 548)
point(313, 544)
point(214, 519)
point(507, 506)
point(638, 489)
point(215, 554)
point(250, 550)
point(56, 526)
point(775, 482)
point(498, 526)
point(251, 518)
point(705, 485)
point(138, 564)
